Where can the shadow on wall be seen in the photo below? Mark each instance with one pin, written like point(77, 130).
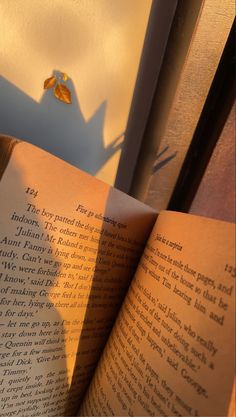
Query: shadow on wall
point(57, 127)
point(162, 159)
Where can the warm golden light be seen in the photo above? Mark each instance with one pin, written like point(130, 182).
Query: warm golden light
point(94, 42)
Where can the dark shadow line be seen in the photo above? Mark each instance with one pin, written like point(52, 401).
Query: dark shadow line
point(162, 152)
point(159, 165)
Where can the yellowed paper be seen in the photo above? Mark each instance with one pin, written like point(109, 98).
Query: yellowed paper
point(172, 349)
point(69, 245)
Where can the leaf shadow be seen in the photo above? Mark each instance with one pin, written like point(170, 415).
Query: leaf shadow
point(58, 128)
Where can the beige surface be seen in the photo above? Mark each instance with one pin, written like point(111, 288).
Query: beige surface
point(98, 43)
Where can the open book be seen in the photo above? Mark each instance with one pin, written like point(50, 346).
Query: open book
point(107, 309)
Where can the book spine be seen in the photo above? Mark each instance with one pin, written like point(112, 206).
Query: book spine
point(7, 144)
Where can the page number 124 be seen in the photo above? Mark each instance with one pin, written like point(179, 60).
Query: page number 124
point(32, 192)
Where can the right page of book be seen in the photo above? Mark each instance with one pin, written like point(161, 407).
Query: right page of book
point(171, 352)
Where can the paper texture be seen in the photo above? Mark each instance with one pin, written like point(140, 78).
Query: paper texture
point(172, 348)
point(69, 245)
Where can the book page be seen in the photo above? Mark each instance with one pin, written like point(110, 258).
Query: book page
point(171, 351)
point(69, 245)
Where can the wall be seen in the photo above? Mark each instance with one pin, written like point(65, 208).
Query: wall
point(98, 44)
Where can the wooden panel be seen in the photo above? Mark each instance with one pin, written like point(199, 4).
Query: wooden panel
point(173, 122)
point(216, 194)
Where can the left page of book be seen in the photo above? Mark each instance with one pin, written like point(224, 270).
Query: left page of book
point(69, 245)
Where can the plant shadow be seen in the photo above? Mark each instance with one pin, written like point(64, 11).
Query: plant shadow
point(56, 127)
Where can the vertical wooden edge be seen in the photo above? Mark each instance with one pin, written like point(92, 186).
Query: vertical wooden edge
point(217, 107)
point(179, 43)
point(7, 144)
point(231, 410)
point(159, 25)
